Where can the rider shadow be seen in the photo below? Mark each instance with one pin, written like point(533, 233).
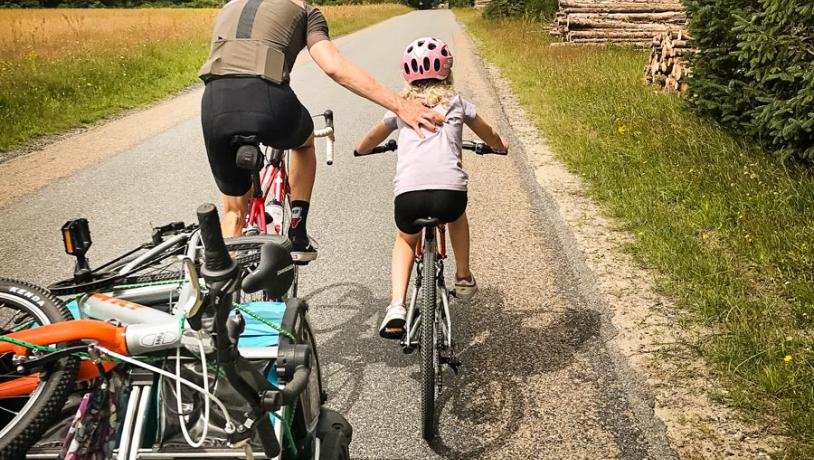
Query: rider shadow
point(501, 348)
point(345, 318)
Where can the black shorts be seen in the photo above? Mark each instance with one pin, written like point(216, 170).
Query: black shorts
point(248, 106)
point(447, 205)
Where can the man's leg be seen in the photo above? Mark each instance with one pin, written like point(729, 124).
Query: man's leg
point(234, 214)
point(301, 179)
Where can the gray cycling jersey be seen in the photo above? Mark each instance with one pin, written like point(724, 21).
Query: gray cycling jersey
point(262, 38)
point(432, 163)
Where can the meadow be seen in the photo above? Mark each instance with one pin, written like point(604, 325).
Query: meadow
point(63, 68)
point(730, 228)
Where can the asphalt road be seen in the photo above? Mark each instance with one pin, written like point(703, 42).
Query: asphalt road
point(538, 381)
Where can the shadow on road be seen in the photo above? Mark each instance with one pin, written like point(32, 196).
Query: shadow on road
point(501, 348)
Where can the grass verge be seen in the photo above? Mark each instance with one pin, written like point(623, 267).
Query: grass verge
point(731, 229)
point(62, 68)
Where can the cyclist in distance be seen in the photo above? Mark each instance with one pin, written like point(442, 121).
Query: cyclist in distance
point(430, 180)
point(247, 74)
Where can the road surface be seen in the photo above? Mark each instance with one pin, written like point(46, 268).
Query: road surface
point(538, 381)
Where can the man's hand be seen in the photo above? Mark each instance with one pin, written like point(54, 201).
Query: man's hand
point(415, 114)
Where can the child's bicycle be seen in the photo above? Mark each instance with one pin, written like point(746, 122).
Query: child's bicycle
point(265, 361)
point(436, 343)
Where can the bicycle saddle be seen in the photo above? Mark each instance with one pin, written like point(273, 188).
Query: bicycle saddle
point(274, 274)
point(428, 222)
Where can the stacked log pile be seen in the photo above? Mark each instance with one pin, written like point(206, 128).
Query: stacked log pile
point(481, 3)
point(667, 67)
point(632, 22)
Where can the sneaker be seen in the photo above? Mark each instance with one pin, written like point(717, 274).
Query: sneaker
point(393, 323)
point(302, 251)
point(466, 289)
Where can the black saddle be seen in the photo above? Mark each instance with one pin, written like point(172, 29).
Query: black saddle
point(428, 222)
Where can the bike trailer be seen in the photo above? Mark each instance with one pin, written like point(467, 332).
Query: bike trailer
point(148, 422)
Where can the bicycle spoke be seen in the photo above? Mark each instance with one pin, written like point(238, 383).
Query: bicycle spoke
point(9, 411)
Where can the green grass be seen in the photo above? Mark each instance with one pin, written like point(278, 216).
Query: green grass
point(731, 229)
point(53, 83)
point(40, 97)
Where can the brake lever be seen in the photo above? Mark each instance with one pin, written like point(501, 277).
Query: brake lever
point(191, 297)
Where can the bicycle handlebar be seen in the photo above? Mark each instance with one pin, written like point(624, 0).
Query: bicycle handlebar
point(390, 146)
point(480, 148)
point(328, 133)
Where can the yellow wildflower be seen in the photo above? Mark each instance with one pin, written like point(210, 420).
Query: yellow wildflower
point(788, 358)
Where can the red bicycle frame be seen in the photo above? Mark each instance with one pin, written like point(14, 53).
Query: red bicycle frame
point(274, 180)
point(440, 242)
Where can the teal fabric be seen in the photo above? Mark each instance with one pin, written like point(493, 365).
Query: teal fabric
point(256, 334)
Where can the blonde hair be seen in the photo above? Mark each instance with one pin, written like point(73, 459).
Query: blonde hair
point(434, 92)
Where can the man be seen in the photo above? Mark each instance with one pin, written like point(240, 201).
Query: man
point(254, 46)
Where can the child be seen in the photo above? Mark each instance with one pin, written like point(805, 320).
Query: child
point(430, 180)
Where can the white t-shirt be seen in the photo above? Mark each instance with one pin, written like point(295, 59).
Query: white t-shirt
point(432, 163)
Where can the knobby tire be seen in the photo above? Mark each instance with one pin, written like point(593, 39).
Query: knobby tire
point(25, 429)
point(429, 351)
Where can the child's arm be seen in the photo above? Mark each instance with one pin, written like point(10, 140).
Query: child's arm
point(488, 134)
point(375, 137)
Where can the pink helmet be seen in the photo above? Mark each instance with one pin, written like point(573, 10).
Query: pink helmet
point(426, 58)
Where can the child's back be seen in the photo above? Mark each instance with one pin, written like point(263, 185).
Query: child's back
point(432, 163)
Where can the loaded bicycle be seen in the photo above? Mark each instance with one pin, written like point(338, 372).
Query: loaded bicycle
point(165, 316)
point(428, 325)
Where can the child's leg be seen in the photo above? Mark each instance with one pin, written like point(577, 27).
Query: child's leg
point(402, 264)
point(459, 234)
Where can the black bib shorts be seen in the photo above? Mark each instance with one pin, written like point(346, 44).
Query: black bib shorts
point(248, 106)
point(447, 205)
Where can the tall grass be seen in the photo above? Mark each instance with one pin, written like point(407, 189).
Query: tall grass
point(731, 230)
point(62, 68)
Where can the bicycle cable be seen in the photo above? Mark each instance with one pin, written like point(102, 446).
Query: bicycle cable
point(229, 428)
point(179, 403)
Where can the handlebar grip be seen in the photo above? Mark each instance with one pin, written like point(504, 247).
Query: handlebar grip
point(215, 254)
point(297, 384)
point(390, 146)
point(329, 153)
point(329, 118)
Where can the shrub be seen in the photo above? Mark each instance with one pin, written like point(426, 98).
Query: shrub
point(507, 8)
point(461, 3)
point(755, 69)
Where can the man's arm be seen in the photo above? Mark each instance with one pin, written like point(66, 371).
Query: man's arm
point(347, 74)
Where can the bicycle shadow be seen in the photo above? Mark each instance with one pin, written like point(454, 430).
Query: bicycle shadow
point(501, 349)
point(345, 318)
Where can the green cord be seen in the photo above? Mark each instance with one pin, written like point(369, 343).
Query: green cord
point(22, 343)
point(287, 426)
point(80, 354)
point(266, 322)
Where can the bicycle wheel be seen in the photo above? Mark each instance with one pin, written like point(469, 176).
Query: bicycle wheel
point(429, 350)
point(23, 419)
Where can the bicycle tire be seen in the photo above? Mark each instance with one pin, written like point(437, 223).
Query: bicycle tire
point(429, 351)
point(22, 431)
